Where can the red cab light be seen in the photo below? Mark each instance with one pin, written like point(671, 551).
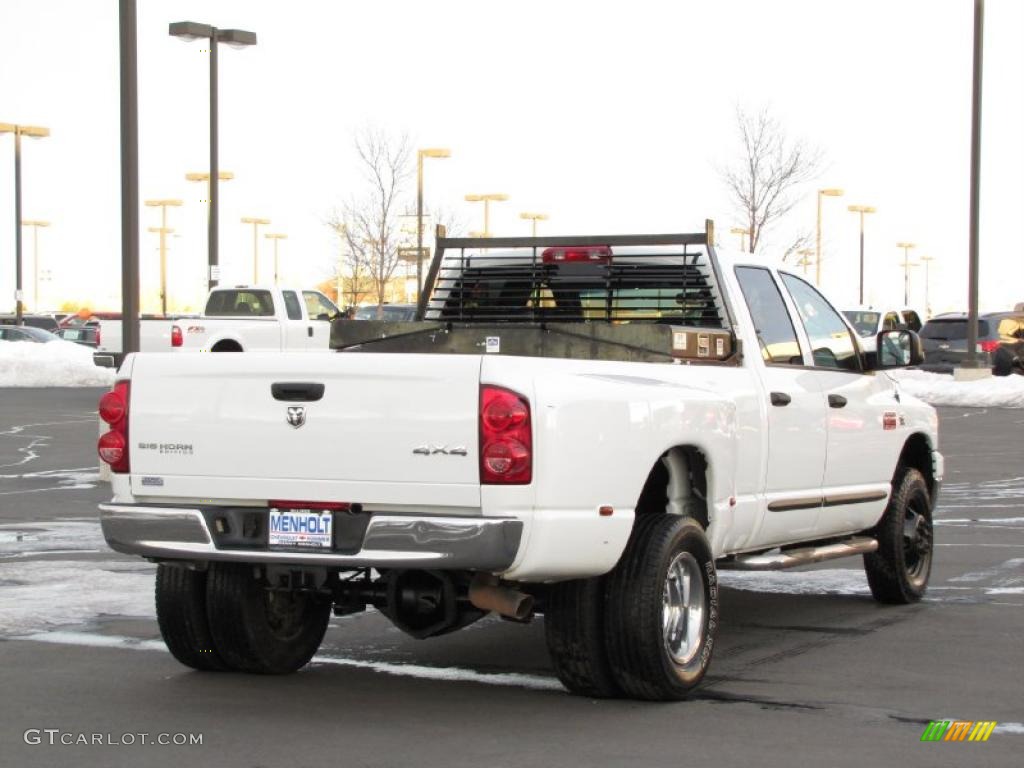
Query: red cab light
point(113, 445)
point(593, 254)
point(989, 346)
point(506, 438)
point(176, 338)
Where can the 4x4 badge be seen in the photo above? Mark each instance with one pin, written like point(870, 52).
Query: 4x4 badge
point(296, 415)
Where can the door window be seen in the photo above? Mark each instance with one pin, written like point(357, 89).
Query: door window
point(319, 306)
point(292, 306)
point(832, 345)
point(774, 327)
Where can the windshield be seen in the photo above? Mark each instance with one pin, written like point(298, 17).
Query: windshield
point(864, 323)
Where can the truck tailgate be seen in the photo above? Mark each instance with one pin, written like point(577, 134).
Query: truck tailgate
point(210, 427)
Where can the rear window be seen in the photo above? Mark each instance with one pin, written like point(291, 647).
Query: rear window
point(951, 330)
point(632, 288)
point(240, 302)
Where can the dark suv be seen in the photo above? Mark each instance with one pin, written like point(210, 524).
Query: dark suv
point(1000, 341)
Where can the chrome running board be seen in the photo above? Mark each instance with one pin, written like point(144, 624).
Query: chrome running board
point(773, 561)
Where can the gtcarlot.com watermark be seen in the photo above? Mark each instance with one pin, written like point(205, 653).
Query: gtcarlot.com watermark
point(56, 737)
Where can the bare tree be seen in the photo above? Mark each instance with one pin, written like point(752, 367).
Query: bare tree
point(763, 184)
point(368, 222)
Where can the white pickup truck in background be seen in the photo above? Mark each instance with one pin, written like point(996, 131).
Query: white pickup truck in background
point(586, 428)
point(236, 319)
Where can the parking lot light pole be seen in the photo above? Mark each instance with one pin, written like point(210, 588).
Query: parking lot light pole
point(256, 222)
point(487, 199)
point(236, 38)
point(163, 230)
point(276, 236)
point(438, 152)
point(927, 279)
point(817, 249)
point(906, 269)
point(805, 259)
point(213, 272)
point(534, 218)
point(35, 224)
point(742, 232)
point(34, 132)
point(861, 209)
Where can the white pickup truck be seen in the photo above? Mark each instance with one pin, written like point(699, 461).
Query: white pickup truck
point(237, 319)
point(585, 428)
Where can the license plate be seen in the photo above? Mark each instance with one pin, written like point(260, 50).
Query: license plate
point(300, 528)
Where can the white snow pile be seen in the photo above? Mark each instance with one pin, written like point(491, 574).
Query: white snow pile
point(941, 389)
point(54, 364)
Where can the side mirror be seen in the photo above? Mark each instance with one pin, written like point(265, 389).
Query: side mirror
point(898, 349)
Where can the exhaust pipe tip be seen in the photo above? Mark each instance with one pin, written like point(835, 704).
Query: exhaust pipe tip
point(505, 601)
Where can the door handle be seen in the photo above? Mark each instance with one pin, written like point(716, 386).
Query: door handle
point(309, 331)
point(297, 391)
point(781, 398)
point(836, 401)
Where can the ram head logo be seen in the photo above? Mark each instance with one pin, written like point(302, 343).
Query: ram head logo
point(296, 415)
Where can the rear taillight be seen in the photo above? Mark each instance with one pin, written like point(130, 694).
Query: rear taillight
point(506, 439)
point(113, 445)
point(594, 254)
point(176, 338)
point(97, 335)
point(988, 346)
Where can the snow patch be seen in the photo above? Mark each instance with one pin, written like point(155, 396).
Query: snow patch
point(835, 581)
point(40, 594)
point(444, 674)
point(54, 364)
point(18, 539)
point(448, 674)
point(941, 389)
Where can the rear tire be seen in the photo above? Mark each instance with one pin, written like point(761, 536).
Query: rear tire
point(898, 570)
point(662, 609)
point(574, 629)
point(181, 615)
point(270, 632)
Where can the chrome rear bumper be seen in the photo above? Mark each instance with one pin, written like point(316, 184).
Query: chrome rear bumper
point(450, 543)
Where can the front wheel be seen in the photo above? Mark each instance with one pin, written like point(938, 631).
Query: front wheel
point(662, 609)
point(255, 629)
point(898, 571)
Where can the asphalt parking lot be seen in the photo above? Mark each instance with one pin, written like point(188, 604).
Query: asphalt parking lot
point(808, 669)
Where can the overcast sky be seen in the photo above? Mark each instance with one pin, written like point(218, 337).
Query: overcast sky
point(610, 117)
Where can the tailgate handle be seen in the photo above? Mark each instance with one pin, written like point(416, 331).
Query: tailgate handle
point(297, 391)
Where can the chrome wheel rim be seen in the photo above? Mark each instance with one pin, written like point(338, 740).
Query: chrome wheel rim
point(917, 542)
point(683, 608)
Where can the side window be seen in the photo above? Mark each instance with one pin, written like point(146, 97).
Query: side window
point(911, 320)
point(891, 322)
point(831, 343)
point(317, 305)
point(775, 331)
point(291, 305)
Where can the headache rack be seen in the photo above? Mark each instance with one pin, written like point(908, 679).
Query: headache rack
point(615, 279)
point(642, 298)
